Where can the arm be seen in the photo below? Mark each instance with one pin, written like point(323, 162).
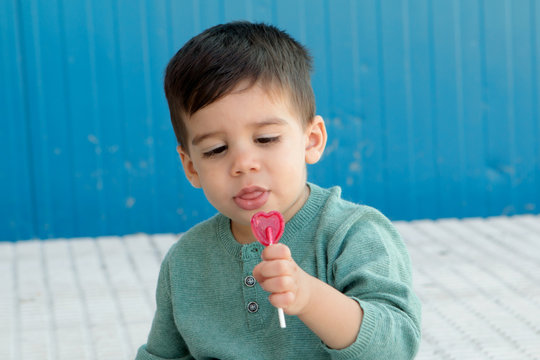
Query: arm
point(334, 317)
point(366, 262)
point(164, 340)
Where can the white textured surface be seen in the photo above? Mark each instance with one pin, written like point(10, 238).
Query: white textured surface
point(479, 282)
point(93, 298)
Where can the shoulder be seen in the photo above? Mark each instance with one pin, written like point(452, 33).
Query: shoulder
point(339, 216)
point(349, 229)
point(360, 236)
point(194, 239)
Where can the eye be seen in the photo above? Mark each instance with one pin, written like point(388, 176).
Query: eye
point(215, 151)
point(267, 139)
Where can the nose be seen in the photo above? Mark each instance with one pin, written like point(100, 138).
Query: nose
point(244, 161)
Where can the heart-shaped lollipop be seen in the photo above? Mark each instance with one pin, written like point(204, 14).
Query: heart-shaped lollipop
point(268, 228)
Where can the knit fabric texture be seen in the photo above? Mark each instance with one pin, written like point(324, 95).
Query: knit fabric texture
point(209, 308)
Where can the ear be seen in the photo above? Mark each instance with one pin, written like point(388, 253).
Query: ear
point(316, 140)
point(189, 169)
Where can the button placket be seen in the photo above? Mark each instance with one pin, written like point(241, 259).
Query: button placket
point(251, 256)
point(250, 294)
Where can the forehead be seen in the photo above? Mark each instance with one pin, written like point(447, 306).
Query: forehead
point(246, 101)
point(273, 91)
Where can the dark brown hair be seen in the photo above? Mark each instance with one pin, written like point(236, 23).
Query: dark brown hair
point(211, 64)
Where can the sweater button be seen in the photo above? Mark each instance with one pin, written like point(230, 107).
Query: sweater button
point(249, 281)
point(253, 307)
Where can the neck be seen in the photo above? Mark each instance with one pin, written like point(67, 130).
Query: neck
point(242, 233)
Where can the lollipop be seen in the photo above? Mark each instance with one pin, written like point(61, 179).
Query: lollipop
point(268, 228)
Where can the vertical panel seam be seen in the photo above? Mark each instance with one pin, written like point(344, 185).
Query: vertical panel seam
point(412, 195)
point(433, 103)
point(483, 81)
point(329, 74)
point(67, 104)
point(96, 106)
point(274, 11)
point(170, 38)
point(121, 105)
point(19, 34)
point(43, 212)
point(197, 16)
point(510, 168)
point(459, 102)
point(357, 102)
point(149, 118)
point(535, 101)
point(384, 142)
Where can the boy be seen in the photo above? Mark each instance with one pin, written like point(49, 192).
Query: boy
point(243, 111)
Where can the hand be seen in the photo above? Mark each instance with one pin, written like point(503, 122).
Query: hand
point(333, 316)
point(279, 274)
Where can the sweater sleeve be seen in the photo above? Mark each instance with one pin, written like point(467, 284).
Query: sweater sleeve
point(370, 264)
point(164, 340)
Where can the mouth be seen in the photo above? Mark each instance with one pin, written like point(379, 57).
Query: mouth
point(251, 198)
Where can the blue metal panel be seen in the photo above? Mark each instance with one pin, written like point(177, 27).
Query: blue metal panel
point(447, 81)
point(82, 102)
point(369, 159)
point(472, 107)
point(521, 36)
point(432, 108)
point(49, 135)
point(104, 136)
point(499, 134)
point(422, 110)
point(533, 203)
point(396, 117)
point(17, 211)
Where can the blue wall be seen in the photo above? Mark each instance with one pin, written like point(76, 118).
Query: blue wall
point(432, 108)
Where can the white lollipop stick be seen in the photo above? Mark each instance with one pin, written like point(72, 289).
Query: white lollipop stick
point(281, 315)
point(282, 323)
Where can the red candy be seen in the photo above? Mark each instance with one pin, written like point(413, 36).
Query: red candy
point(268, 227)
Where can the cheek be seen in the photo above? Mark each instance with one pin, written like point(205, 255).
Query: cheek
point(214, 194)
point(291, 165)
point(210, 180)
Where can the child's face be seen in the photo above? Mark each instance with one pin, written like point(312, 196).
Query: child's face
point(248, 151)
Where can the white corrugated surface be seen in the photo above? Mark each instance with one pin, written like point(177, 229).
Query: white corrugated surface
point(93, 298)
point(479, 282)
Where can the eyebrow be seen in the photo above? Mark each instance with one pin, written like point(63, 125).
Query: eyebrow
point(266, 122)
point(199, 138)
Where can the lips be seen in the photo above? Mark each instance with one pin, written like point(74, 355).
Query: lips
point(251, 198)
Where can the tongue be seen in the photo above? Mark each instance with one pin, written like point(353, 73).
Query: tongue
point(251, 195)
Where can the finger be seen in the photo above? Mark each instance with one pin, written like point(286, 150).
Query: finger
point(275, 268)
point(257, 272)
point(279, 284)
point(276, 251)
point(282, 300)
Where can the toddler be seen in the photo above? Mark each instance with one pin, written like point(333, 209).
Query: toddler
point(243, 112)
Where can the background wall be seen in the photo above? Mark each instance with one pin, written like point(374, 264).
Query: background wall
point(432, 108)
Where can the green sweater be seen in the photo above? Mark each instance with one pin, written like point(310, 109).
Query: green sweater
point(207, 306)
